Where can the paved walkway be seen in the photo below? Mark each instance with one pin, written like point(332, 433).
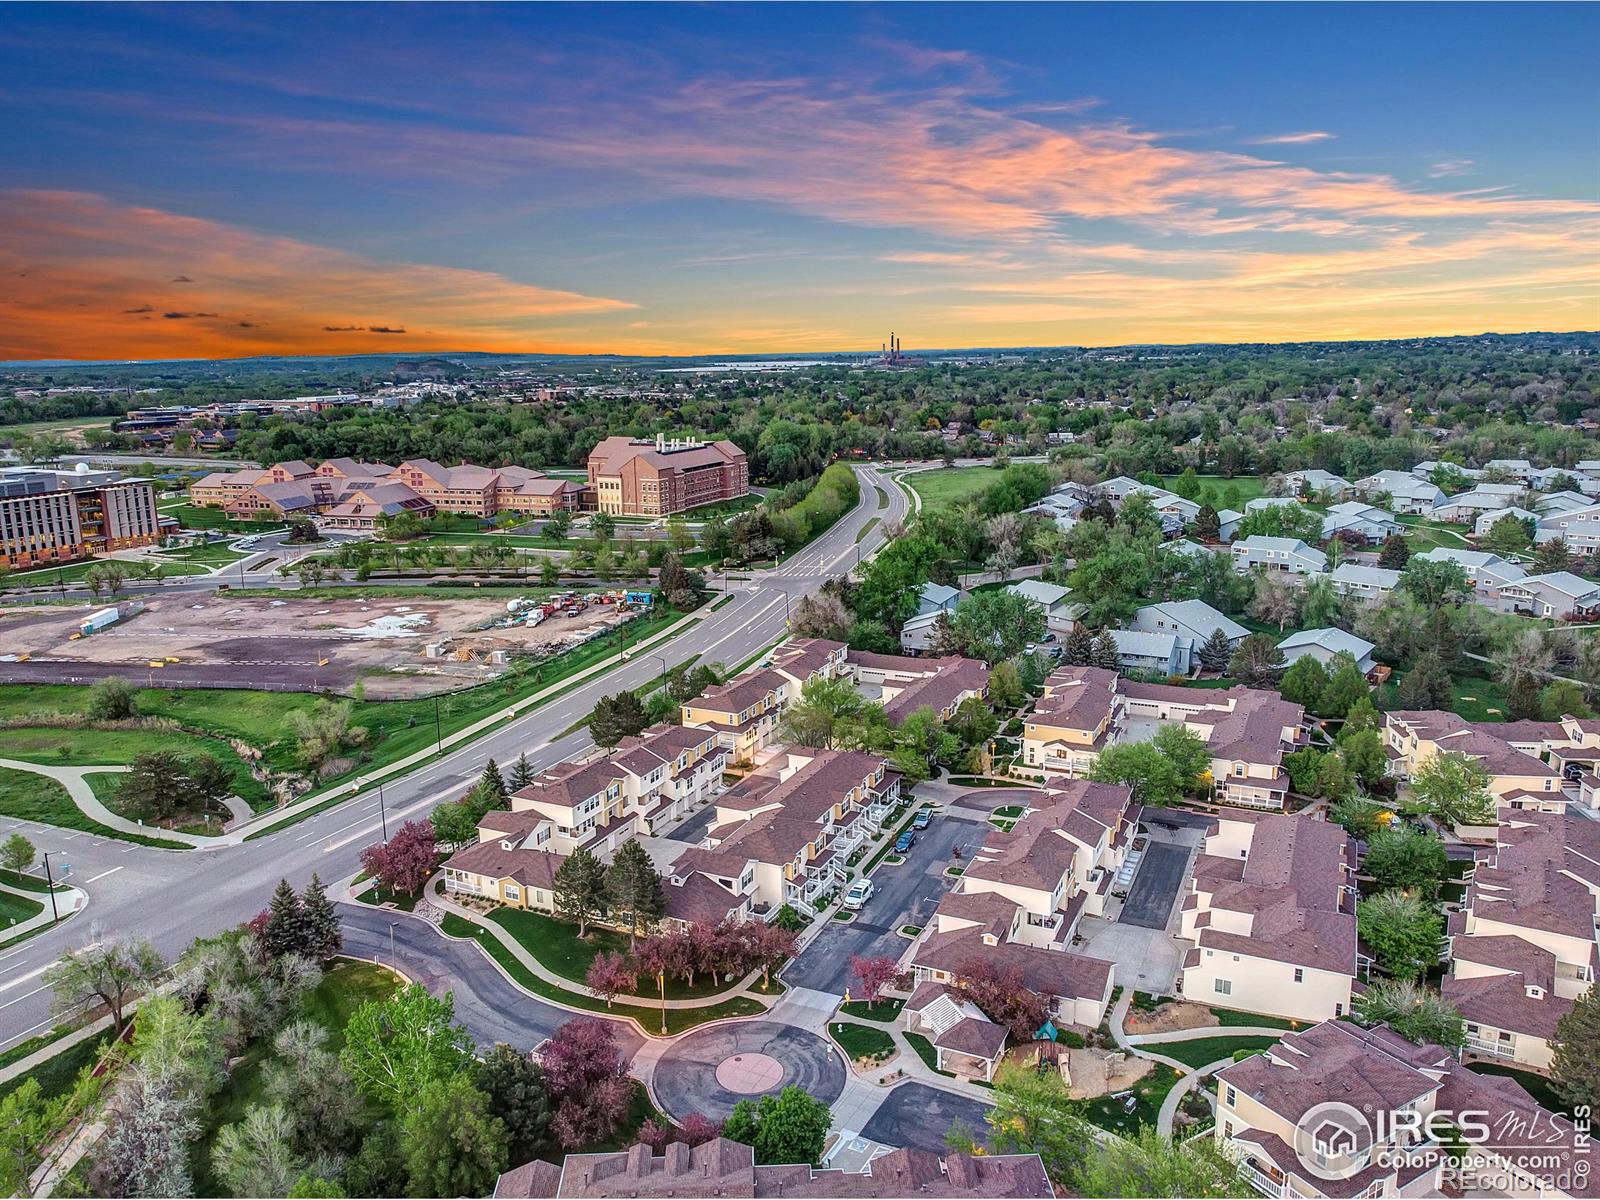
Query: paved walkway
point(69, 902)
point(72, 778)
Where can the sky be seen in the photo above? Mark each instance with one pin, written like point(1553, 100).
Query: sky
point(196, 180)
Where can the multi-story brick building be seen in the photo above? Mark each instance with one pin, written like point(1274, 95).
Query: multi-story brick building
point(53, 516)
point(644, 478)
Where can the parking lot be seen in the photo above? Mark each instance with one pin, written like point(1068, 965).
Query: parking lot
point(906, 894)
point(919, 1116)
point(1156, 885)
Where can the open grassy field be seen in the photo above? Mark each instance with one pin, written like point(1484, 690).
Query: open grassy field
point(556, 944)
point(192, 516)
point(15, 908)
point(1477, 698)
point(74, 572)
point(30, 797)
point(944, 487)
point(102, 747)
point(1423, 535)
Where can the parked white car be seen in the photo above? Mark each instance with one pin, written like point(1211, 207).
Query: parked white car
point(860, 892)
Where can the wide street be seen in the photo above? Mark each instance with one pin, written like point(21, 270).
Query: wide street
point(172, 897)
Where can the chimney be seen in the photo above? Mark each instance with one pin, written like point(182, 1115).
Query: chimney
point(677, 1159)
point(661, 441)
point(638, 1160)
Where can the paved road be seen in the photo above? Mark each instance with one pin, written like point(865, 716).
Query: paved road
point(175, 896)
point(686, 1079)
point(491, 1008)
point(907, 895)
point(1156, 886)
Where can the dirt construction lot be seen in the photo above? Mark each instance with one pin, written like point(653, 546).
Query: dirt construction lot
point(284, 644)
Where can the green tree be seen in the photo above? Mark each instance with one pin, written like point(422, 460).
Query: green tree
point(1256, 661)
point(454, 823)
point(790, 1127)
point(1435, 584)
point(1418, 1014)
point(1562, 698)
point(1319, 602)
point(156, 786)
point(1151, 1164)
point(454, 1145)
point(1428, 684)
point(323, 939)
point(17, 854)
point(1005, 687)
point(109, 972)
point(1207, 524)
point(1216, 650)
point(1405, 932)
point(286, 931)
point(1549, 556)
point(1508, 535)
point(823, 714)
point(112, 699)
point(256, 1156)
point(394, 1047)
point(1404, 858)
point(1575, 1067)
point(521, 774)
point(1103, 652)
point(305, 1078)
point(1359, 816)
point(995, 625)
point(1453, 789)
point(633, 889)
point(580, 888)
point(1395, 554)
point(491, 786)
point(1305, 682)
point(617, 717)
point(1363, 754)
point(1346, 687)
point(515, 1086)
point(1158, 771)
point(1033, 1114)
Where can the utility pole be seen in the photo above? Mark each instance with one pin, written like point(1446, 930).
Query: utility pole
point(438, 729)
point(55, 913)
point(393, 961)
point(383, 816)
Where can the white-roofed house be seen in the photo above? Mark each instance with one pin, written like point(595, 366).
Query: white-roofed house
point(1578, 527)
point(1165, 653)
point(1278, 554)
point(1318, 482)
point(1364, 582)
point(918, 634)
point(1323, 644)
point(1228, 521)
point(1486, 497)
point(1519, 469)
point(1059, 609)
point(1554, 594)
point(1261, 503)
point(1560, 502)
point(1354, 517)
point(1486, 521)
point(1407, 493)
point(1192, 621)
point(1486, 573)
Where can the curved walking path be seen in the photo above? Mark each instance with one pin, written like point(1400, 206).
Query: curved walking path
point(72, 778)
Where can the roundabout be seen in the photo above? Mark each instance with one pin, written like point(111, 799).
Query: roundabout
point(711, 1070)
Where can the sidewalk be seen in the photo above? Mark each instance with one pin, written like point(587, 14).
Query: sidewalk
point(72, 778)
point(291, 812)
point(69, 903)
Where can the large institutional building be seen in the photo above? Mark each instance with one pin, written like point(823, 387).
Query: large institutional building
point(626, 478)
point(643, 478)
point(52, 516)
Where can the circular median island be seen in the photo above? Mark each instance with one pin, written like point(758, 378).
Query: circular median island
point(710, 1070)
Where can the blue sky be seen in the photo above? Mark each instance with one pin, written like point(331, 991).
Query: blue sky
point(317, 178)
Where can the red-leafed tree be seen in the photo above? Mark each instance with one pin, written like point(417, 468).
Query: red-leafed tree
point(875, 974)
point(610, 974)
point(587, 1080)
point(1001, 994)
point(405, 861)
point(769, 947)
point(703, 949)
point(650, 956)
point(677, 955)
point(695, 1130)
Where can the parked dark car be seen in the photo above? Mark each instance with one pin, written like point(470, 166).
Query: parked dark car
point(905, 841)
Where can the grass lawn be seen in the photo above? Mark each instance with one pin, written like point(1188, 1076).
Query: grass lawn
point(378, 895)
point(866, 529)
point(556, 944)
point(117, 747)
point(678, 1019)
point(884, 1010)
point(30, 797)
point(1422, 534)
point(945, 487)
point(925, 1052)
point(192, 517)
point(1535, 1084)
point(57, 1075)
point(28, 883)
point(15, 908)
point(1233, 1016)
point(344, 987)
point(1200, 1052)
point(107, 787)
point(1251, 487)
point(75, 572)
point(1477, 698)
point(213, 554)
point(1108, 1111)
point(862, 1041)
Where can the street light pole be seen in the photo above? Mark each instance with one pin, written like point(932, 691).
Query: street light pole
point(55, 913)
point(383, 816)
point(661, 978)
point(393, 961)
point(438, 731)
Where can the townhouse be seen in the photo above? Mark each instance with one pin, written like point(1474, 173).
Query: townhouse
point(1486, 573)
point(903, 685)
point(1157, 653)
point(1324, 644)
point(1487, 521)
point(726, 1168)
point(1364, 583)
point(1168, 504)
point(1578, 527)
point(1079, 714)
point(1315, 482)
point(1192, 623)
point(1407, 493)
point(1271, 915)
point(1272, 1112)
point(744, 712)
point(1277, 555)
point(1557, 594)
point(1560, 502)
point(921, 630)
point(1518, 777)
point(1524, 942)
point(1485, 498)
point(1061, 612)
point(1353, 519)
point(784, 833)
point(1519, 469)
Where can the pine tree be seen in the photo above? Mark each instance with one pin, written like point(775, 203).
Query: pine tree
point(1078, 648)
point(633, 886)
point(617, 717)
point(491, 783)
point(286, 931)
point(1208, 524)
point(580, 889)
point(1575, 1068)
point(1216, 651)
point(1522, 698)
point(323, 939)
point(1103, 653)
point(521, 774)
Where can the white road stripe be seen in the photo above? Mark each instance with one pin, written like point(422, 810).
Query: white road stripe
point(103, 874)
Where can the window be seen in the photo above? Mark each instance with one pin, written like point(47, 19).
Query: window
point(1299, 975)
point(1223, 987)
point(513, 892)
point(1232, 1100)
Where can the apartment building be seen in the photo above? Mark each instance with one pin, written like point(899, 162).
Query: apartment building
point(1487, 521)
point(1324, 644)
point(1192, 623)
point(644, 478)
point(1271, 912)
point(725, 1168)
point(1277, 556)
point(783, 833)
point(1355, 519)
point(1079, 715)
point(1486, 573)
point(1558, 594)
point(1364, 583)
point(51, 516)
point(1271, 1110)
point(1406, 493)
point(1524, 942)
point(1317, 482)
point(1518, 776)
point(1578, 527)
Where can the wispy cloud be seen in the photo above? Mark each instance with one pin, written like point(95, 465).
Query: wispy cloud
point(1292, 139)
point(1448, 167)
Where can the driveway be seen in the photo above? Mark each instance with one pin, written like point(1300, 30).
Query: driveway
point(1156, 885)
point(693, 829)
point(907, 895)
point(917, 1116)
point(490, 1007)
